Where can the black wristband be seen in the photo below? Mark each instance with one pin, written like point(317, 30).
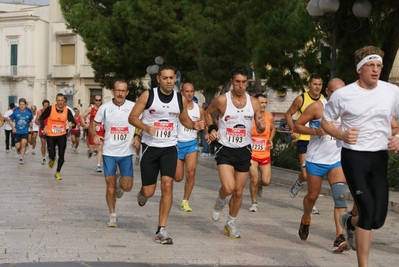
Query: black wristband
point(139, 136)
point(212, 127)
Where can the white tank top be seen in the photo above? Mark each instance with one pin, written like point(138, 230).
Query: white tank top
point(35, 127)
point(184, 133)
point(323, 149)
point(236, 124)
point(164, 116)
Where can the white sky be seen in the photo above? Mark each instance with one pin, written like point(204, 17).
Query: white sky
point(38, 2)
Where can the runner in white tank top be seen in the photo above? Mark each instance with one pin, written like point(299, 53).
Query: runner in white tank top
point(322, 159)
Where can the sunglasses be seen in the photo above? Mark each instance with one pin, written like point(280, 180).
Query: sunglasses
point(98, 100)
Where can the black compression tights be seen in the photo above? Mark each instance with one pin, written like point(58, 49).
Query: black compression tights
point(60, 141)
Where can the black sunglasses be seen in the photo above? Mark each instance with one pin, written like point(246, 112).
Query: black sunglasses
point(99, 100)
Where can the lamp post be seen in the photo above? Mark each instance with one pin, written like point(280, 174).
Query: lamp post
point(328, 8)
point(153, 70)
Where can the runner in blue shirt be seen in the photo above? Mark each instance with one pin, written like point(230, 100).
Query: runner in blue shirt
point(20, 121)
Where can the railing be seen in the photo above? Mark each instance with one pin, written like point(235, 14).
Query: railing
point(17, 71)
point(64, 71)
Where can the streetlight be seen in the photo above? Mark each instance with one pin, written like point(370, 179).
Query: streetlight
point(153, 70)
point(318, 8)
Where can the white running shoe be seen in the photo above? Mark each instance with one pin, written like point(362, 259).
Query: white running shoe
point(295, 188)
point(112, 221)
point(217, 209)
point(254, 207)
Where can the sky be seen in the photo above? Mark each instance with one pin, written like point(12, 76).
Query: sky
point(38, 2)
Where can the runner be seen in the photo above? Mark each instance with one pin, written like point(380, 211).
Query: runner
point(92, 148)
point(55, 130)
point(75, 132)
point(42, 136)
point(187, 146)
point(118, 144)
point(161, 109)
point(20, 121)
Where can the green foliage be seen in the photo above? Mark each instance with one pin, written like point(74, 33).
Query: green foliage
point(203, 39)
point(393, 167)
point(284, 155)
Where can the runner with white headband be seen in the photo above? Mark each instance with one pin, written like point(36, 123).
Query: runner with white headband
point(366, 108)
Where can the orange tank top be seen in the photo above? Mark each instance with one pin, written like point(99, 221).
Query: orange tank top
point(260, 142)
point(56, 122)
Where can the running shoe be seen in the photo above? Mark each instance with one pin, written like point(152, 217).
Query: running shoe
point(350, 234)
point(295, 188)
point(163, 238)
point(95, 152)
point(21, 161)
point(33, 152)
point(185, 207)
point(13, 148)
point(254, 207)
point(231, 230)
point(217, 209)
point(141, 200)
point(112, 221)
point(43, 161)
point(340, 244)
point(89, 154)
point(72, 146)
point(50, 163)
point(137, 161)
point(119, 191)
point(75, 151)
point(260, 189)
point(303, 231)
point(7, 151)
point(27, 152)
point(315, 210)
point(58, 176)
point(98, 169)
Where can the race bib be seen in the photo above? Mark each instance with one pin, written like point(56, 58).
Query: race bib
point(235, 135)
point(164, 129)
point(258, 144)
point(57, 129)
point(119, 133)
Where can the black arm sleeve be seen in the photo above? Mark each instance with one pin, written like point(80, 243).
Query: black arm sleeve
point(71, 118)
point(44, 115)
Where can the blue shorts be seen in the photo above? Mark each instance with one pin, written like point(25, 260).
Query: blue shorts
point(125, 165)
point(317, 169)
point(185, 148)
point(19, 137)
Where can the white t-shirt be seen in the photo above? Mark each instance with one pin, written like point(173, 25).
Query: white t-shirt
point(184, 134)
point(7, 125)
point(323, 149)
point(369, 110)
point(118, 131)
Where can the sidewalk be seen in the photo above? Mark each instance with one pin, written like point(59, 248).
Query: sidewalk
point(45, 222)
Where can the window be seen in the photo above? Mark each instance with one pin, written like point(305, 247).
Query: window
point(68, 54)
point(14, 59)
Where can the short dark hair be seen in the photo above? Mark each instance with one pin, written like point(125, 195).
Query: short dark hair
point(22, 100)
point(117, 80)
point(11, 106)
point(315, 77)
point(260, 95)
point(45, 101)
point(59, 94)
point(165, 67)
point(238, 70)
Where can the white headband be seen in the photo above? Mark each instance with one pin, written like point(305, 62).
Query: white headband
point(367, 59)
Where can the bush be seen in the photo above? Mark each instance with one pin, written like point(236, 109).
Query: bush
point(285, 156)
point(393, 167)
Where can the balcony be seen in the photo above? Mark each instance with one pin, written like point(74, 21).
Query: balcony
point(22, 71)
point(86, 71)
point(64, 71)
point(59, 28)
